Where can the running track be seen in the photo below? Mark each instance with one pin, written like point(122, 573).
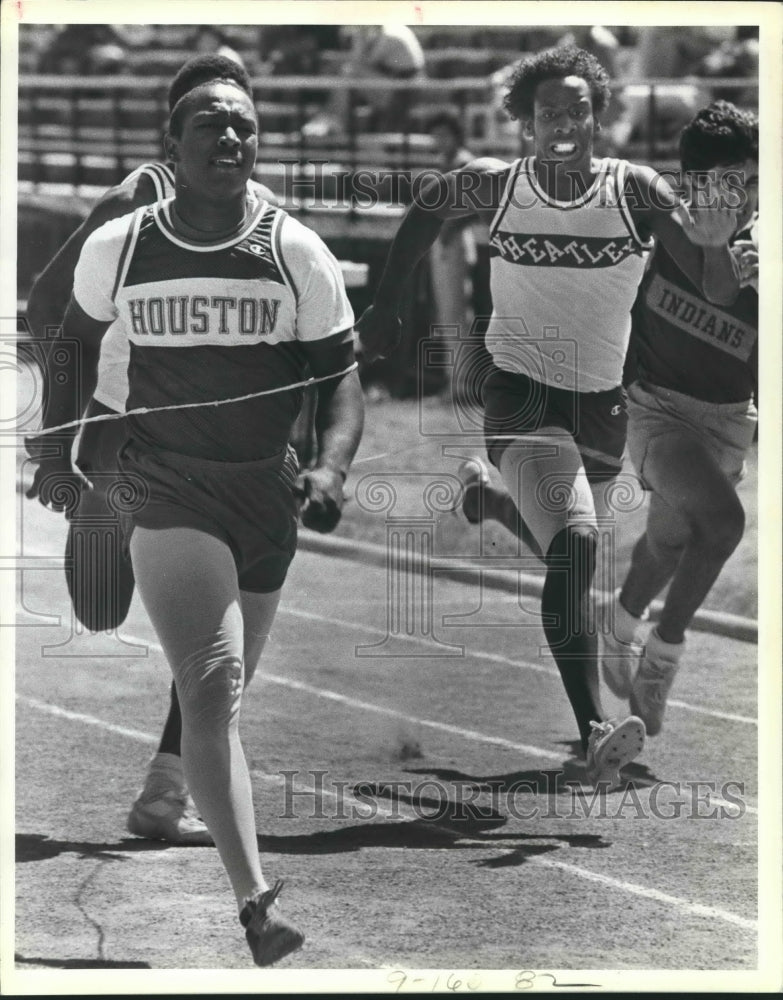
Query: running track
point(428, 819)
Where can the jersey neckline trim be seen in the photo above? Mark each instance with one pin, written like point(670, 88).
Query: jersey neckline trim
point(162, 215)
point(529, 169)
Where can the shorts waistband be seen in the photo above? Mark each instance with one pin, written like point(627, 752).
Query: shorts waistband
point(692, 403)
point(523, 376)
point(192, 463)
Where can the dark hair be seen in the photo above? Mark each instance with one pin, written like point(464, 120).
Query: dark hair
point(182, 105)
point(719, 135)
point(203, 69)
point(449, 121)
point(553, 64)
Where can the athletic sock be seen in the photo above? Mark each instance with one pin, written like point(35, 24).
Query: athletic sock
point(163, 774)
point(627, 627)
point(564, 608)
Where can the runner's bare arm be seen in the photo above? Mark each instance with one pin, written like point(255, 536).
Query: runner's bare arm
point(70, 376)
point(51, 290)
point(472, 190)
point(697, 239)
point(70, 379)
point(339, 420)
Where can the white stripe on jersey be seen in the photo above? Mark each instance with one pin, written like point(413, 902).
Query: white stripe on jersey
point(112, 387)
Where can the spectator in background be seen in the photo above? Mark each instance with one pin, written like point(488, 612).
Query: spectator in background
point(85, 50)
point(207, 39)
point(738, 58)
point(391, 52)
point(676, 53)
point(296, 50)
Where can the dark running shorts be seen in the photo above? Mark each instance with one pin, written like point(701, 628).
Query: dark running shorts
point(597, 421)
point(248, 505)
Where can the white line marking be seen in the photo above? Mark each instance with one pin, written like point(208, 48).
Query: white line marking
point(366, 706)
point(696, 909)
point(396, 714)
point(393, 713)
point(469, 734)
point(673, 703)
point(88, 720)
point(478, 654)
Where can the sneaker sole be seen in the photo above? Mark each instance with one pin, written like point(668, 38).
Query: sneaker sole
point(625, 744)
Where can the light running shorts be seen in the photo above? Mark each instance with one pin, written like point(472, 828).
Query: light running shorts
point(726, 429)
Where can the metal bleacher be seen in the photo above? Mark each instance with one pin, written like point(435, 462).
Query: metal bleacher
point(93, 130)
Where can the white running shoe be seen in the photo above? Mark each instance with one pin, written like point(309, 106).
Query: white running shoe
point(474, 475)
point(621, 649)
point(653, 681)
point(171, 815)
point(610, 747)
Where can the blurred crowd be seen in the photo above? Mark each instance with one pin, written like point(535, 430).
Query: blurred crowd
point(688, 56)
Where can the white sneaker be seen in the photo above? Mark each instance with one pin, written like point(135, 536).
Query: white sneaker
point(474, 476)
point(164, 809)
point(653, 681)
point(621, 650)
point(170, 815)
point(610, 747)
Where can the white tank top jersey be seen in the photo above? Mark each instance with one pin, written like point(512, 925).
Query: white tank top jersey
point(564, 276)
point(112, 387)
point(214, 320)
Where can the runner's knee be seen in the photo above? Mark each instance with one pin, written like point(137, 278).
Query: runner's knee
point(209, 685)
point(720, 530)
point(666, 535)
point(576, 543)
point(665, 548)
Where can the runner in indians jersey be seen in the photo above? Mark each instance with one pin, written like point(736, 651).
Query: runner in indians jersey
point(568, 239)
point(226, 300)
point(98, 573)
point(692, 417)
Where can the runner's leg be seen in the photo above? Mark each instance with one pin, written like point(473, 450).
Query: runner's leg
point(686, 475)
point(188, 582)
point(552, 493)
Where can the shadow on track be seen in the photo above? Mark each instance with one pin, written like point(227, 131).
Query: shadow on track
point(77, 963)
point(38, 847)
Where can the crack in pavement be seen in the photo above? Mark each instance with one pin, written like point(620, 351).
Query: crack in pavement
point(86, 882)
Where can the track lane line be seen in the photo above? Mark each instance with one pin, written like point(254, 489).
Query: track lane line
point(495, 658)
point(655, 895)
point(518, 664)
point(696, 909)
point(365, 706)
